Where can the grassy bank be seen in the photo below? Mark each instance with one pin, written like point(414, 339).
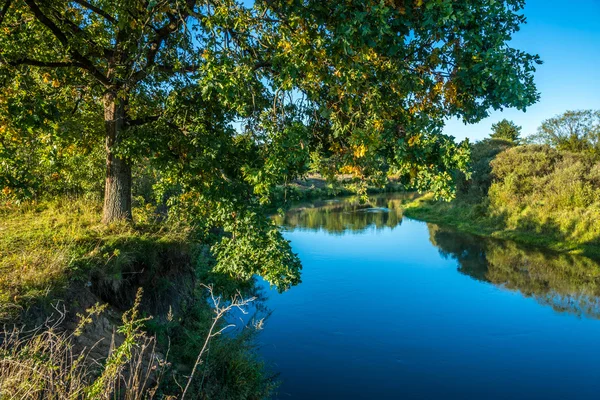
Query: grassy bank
point(57, 261)
point(531, 194)
point(47, 248)
point(470, 219)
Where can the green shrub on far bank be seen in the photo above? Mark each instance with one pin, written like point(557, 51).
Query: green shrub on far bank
point(540, 190)
point(474, 189)
point(534, 194)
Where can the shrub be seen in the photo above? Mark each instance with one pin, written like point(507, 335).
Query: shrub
point(482, 153)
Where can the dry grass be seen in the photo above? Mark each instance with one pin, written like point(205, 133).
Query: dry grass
point(44, 364)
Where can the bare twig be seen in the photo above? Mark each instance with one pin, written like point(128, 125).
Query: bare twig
point(220, 311)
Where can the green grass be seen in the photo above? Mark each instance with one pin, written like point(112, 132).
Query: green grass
point(45, 247)
point(47, 250)
point(575, 232)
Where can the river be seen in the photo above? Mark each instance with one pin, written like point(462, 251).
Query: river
point(394, 308)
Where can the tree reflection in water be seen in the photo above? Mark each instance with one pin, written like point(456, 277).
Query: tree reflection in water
point(567, 283)
point(339, 216)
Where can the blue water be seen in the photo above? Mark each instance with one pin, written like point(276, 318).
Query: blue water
point(384, 313)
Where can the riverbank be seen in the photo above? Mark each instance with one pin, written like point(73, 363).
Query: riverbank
point(573, 230)
point(74, 283)
point(315, 186)
point(529, 230)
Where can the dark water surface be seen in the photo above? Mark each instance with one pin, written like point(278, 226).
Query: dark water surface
point(392, 308)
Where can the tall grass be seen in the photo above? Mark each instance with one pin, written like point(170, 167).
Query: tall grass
point(45, 364)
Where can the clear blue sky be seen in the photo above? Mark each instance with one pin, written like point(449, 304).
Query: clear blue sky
point(566, 35)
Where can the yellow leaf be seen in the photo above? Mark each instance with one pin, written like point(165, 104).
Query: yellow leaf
point(378, 124)
point(413, 140)
point(359, 151)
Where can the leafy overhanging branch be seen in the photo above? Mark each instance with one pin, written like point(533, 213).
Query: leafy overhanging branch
point(4, 10)
point(97, 10)
point(62, 38)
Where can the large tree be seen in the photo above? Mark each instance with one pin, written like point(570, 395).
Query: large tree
point(232, 98)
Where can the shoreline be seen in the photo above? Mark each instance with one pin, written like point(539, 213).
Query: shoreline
point(467, 219)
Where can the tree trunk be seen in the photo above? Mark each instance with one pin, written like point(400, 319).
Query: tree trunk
point(117, 192)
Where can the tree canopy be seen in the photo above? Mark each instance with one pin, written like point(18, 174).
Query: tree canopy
point(225, 100)
point(576, 131)
point(506, 130)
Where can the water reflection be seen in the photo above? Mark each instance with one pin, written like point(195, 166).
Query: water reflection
point(567, 283)
point(349, 214)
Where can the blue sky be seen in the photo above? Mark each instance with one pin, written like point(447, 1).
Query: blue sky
point(566, 35)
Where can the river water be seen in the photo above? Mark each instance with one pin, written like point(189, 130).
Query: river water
point(393, 308)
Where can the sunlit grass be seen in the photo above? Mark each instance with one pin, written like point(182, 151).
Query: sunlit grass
point(574, 231)
point(43, 247)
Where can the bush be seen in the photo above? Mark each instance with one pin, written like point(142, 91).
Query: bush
point(532, 193)
point(540, 189)
point(473, 190)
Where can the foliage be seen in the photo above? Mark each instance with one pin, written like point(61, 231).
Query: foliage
point(225, 101)
point(506, 130)
point(575, 131)
point(41, 157)
point(475, 188)
point(538, 195)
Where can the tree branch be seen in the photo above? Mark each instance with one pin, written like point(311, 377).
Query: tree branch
point(78, 31)
point(38, 63)
point(161, 35)
point(62, 38)
point(4, 10)
point(97, 10)
point(172, 69)
point(262, 64)
point(142, 120)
